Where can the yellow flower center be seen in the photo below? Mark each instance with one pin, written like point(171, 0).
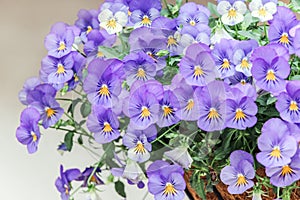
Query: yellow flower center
point(100, 54)
point(89, 29)
point(243, 82)
point(192, 22)
point(50, 112)
point(232, 13)
point(111, 23)
point(239, 114)
point(245, 64)
point(262, 12)
point(107, 128)
point(93, 179)
point(286, 170)
point(129, 13)
point(171, 41)
point(213, 114)
point(293, 106)
point(271, 75)
point(167, 111)
point(190, 105)
point(76, 78)
point(146, 21)
point(198, 71)
point(139, 148)
point(104, 90)
point(145, 112)
point(226, 64)
point(241, 180)
point(34, 137)
point(169, 189)
point(141, 73)
point(276, 152)
point(284, 39)
point(62, 46)
point(60, 69)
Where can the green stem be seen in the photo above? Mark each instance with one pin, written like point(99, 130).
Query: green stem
point(79, 93)
point(166, 4)
point(85, 133)
point(88, 149)
point(278, 192)
point(79, 51)
point(266, 33)
point(63, 99)
point(165, 144)
point(162, 135)
point(236, 31)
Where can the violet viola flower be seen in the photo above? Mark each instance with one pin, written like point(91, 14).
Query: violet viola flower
point(238, 78)
point(285, 175)
point(197, 66)
point(263, 9)
point(139, 66)
point(143, 103)
point(63, 183)
point(166, 181)
point(58, 70)
point(276, 145)
point(223, 55)
point(79, 64)
point(104, 124)
point(139, 143)
point(169, 105)
point(192, 35)
point(240, 172)
point(192, 14)
point(39, 91)
point(241, 56)
point(212, 108)
point(295, 32)
point(143, 12)
point(103, 82)
point(232, 11)
point(60, 40)
point(28, 86)
point(269, 69)
point(241, 111)
point(28, 133)
point(85, 175)
point(87, 21)
point(288, 103)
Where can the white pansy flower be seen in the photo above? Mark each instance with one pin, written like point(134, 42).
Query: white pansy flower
point(232, 14)
point(262, 11)
point(112, 22)
point(220, 33)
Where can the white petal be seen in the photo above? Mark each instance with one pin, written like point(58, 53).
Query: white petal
point(255, 5)
point(223, 7)
point(271, 7)
point(122, 18)
point(232, 21)
point(138, 157)
point(105, 15)
point(240, 7)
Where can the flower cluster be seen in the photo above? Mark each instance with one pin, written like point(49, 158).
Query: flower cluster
point(164, 90)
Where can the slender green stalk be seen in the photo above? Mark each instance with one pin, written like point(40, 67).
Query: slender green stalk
point(236, 31)
point(162, 135)
point(79, 51)
point(63, 99)
point(85, 133)
point(278, 192)
point(265, 31)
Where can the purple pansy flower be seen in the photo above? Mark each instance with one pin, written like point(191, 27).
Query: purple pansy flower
point(63, 183)
point(39, 91)
point(240, 111)
point(295, 32)
point(232, 11)
point(240, 172)
point(87, 21)
point(28, 133)
point(28, 86)
point(103, 82)
point(139, 143)
point(288, 103)
point(269, 69)
point(104, 124)
point(192, 35)
point(276, 145)
point(143, 12)
point(85, 175)
point(166, 181)
point(79, 65)
point(60, 40)
point(285, 175)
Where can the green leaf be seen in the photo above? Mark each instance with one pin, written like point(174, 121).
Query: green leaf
point(109, 52)
point(296, 77)
point(197, 185)
point(247, 21)
point(80, 140)
point(178, 3)
point(85, 109)
point(120, 188)
point(271, 100)
point(64, 90)
point(69, 140)
point(249, 35)
point(213, 9)
point(73, 105)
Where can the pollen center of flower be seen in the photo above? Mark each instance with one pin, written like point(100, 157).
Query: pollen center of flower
point(232, 13)
point(167, 110)
point(62, 46)
point(276, 152)
point(226, 64)
point(192, 22)
point(50, 112)
point(100, 54)
point(239, 114)
point(60, 69)
point(139, 148)
point(93, 179)
point(76, 78)
point(293, 106)
point(141, 73)
point(146, 21)
point(284, 39)
point(89, 29)
point(286, 170)
point(129, 13)
point(169, 189)
point(241, 180)
point(245, 63)
point(145, 112)
point(271, 75)
point(111, 23)
point(190, 104)
point(171, 41)
point(107, 128)
point(104, 90)
point(262, 12)
point(34, 136)
point(213, 114)
point(66, 189)
point(243, 82)
point(198, 71)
